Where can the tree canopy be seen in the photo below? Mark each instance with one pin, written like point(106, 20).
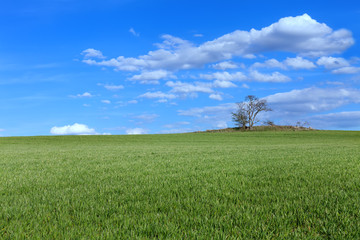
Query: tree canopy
point(246, 114)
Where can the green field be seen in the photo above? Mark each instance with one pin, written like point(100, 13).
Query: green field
point(259, 185)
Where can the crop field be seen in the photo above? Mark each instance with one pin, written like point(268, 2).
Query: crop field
point(236, 185)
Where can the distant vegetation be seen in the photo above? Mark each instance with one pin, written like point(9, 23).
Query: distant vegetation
point(264, 128)
point(236, 185)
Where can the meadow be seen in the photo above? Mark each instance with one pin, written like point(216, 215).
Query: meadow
point(236, 185)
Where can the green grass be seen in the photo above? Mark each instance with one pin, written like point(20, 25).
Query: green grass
point(239, 185)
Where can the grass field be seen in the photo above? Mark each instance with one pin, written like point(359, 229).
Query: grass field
point(259, 185)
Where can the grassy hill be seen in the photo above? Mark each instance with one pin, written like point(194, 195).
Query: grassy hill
point(260, 185)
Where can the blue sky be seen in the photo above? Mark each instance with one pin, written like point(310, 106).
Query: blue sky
point(133, 67)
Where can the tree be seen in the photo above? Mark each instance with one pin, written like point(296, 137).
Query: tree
point(247, 111)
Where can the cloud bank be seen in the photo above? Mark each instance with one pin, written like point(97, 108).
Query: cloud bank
point(75, 129)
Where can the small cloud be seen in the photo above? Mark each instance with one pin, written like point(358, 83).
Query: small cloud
point(216, 97)
point(346, 70)
point(227, 65)
point(2, 130)
point(152, 77)
point(92, 53)
point(75, 129)
point(274, 77)
point(162, 101)
point(133, 32)
point(332, 62)
point(86, 105)
point(245, 86)
point(157, 94)
point(136, 131)
point(113, 87)
point(106, 101)
point(334, 83)
point(84, 95)
point(299, 63)
point(132, 102)
point(198, 35)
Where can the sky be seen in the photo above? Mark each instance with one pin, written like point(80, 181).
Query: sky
point(153, 67)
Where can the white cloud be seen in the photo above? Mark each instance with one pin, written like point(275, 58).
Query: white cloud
point(227, 65)
point(132, 102)
point(224, 76)
point(332, 62)
point(299, 63)
point(92, 53)
point(75, 129)
point(274, 77)
point(83, 95)
point(244, 85)
point(216, 97)
point(132, 31)
point(313, 99)
point(223, 84)
point(113, 87)
point(295, 63)
point(106, 101)
point(271, 63)
point(198, 35)
point(162, 101)
point(2, 130)
point(300, 35)
point(135, 131)
point(181, 87)
point(157, 94)
point(346, 70)
point(152, 77)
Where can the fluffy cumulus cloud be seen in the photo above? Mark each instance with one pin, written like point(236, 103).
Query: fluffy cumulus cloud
point(299, 63)
point(152, 77)
point(224, 76)
point(136, 131)
point(82, 95)
point(275, 77)
point(346, 70)
point(181, 87)
point(288, 63)
point(106, 101)
point(271, 63)
point(216, 97)
point(337, 65)
point(332, 62)
point(75, 129)
point(310, 100)
point(113, 87)
point(300, 35)
point(157, 94)
point(92, 53)
point(227, 65)
point(223, 84)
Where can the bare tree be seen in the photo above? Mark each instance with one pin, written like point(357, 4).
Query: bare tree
point(247, 111)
